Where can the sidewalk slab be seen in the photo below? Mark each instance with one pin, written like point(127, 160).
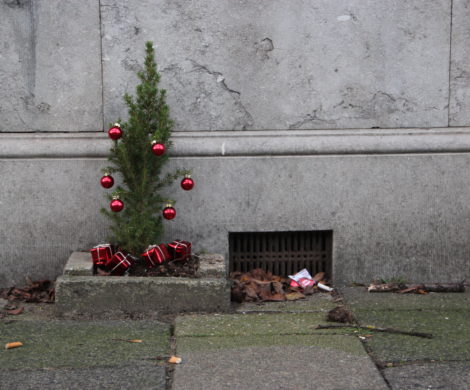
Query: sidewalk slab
point(449, 376)
point(278, 367)
point(248, 324)
point(145, 375)
point(73, 344)
point(359, 298)
point(450, 330)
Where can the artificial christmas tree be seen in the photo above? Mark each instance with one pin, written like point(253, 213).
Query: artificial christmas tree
point(134, 158)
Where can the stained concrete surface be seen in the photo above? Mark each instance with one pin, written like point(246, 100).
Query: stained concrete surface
point(278, 367)
point(444, 376)
point(82, 355)
point(301, 65)
point(50, 68)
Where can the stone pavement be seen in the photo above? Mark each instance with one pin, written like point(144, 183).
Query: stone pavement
point(258, 346)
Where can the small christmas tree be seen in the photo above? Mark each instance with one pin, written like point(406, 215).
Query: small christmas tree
point(139, 153)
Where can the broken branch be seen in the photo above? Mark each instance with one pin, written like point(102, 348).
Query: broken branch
point(377, 329)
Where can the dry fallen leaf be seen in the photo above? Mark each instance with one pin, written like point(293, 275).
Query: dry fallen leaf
point(15, 312)
point(175, 360)
point(293, 296)
point(15, 344)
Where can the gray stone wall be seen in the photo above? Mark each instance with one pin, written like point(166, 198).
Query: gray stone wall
point(237, 65)
point(273, 102)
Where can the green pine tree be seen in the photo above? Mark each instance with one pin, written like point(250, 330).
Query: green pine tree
point(140, 223)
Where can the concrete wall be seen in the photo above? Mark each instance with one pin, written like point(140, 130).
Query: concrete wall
point(272, 102)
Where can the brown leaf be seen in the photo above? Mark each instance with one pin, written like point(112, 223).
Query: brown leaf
point(259, 274)
point(319, 277)
point(250, 293)
point(293, 296)
point(15, 312)
point(276, 287)
point(268, 297)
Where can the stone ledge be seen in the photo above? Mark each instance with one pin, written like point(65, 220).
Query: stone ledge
point(98, 295)
point(250, 143)
point(79, 264)
point(79, 292)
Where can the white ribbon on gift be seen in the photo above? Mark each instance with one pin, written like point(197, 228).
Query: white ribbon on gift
point(103, 246)
point(178, 243)
point(149, 248)
point(122, 261)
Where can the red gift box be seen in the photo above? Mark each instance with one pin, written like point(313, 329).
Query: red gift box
point(101, 254)
point(180, 250)
point(119, 263)
point(156, 254)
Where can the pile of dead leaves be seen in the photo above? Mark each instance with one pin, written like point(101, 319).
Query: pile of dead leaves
point(40, 291)
point(262, 286)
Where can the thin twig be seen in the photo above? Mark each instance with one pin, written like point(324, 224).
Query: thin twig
point(377, 329)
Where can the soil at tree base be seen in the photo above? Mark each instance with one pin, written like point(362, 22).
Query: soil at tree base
point(176, 268)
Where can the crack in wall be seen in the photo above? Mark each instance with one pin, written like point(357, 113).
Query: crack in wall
point(313, 117)
point(236, 95)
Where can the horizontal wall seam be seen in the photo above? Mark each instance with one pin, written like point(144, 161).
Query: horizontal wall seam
point(258, 143)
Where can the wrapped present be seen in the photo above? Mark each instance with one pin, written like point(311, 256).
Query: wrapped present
point(119, 264)
point(101, 254)
point(156, 254)
point(180, 250)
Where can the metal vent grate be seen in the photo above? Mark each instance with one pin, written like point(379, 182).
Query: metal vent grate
point(282, 253)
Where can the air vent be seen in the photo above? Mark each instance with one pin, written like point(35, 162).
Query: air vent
point(282, 253)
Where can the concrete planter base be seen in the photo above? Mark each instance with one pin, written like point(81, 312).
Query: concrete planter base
point(79, 292)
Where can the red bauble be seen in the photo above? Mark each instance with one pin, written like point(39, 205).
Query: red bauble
point(116, 205)
point(187, 183)
point(169, 212)
point(115, 132)
point(158, 149)
point(107, 181)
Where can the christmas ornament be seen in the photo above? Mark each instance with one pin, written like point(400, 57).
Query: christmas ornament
point(156, 254)
point(180, 250)
point(107, 181)
point(187, 183)
point(116, 204)
point(119, 263)
point(115, 132)
point(169, 212)
point(157, 148)
point(101, 254)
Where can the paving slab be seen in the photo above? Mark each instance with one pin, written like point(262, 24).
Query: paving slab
point(248, 324)
point(143, 376)
point(278, 367)
point(450, 330)
point(338, 342)
point(448, 376)
point(73, 344)
point(359, 298)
